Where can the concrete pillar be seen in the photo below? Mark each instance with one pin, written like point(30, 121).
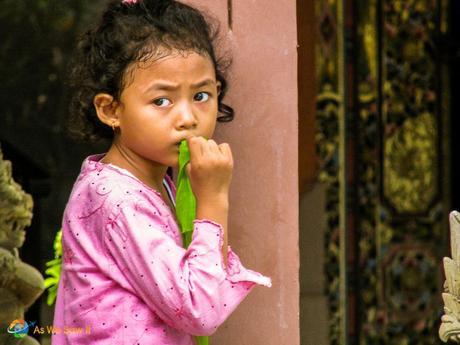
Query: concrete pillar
point(264, 220)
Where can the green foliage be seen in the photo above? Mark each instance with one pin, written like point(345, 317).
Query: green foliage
point(53, 271)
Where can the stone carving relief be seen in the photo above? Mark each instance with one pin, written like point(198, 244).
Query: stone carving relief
point(450, 326)
point(20, 283)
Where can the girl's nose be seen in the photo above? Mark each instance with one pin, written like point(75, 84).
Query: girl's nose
point(187, 118)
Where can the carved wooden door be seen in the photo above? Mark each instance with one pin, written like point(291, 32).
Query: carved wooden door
point(383, 117)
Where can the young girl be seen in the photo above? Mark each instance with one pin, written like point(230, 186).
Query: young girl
point(147, 77)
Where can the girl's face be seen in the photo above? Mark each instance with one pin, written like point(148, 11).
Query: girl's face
point(165, 102)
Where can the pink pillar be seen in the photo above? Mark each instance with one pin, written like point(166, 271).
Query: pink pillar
point(264, 224)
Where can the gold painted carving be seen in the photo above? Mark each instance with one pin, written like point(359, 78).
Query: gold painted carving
point(410, 177)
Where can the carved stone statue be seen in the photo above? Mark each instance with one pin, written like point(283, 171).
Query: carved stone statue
point(450, 326)
point(20, 283)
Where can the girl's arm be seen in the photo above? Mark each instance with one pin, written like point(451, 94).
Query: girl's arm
point(188, 289)
point(217, 211)
point(210, 172)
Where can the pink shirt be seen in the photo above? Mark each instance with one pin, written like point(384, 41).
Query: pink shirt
point(126, 279)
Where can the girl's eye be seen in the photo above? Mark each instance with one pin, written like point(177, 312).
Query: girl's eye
point(202, 96)
point(162, 102)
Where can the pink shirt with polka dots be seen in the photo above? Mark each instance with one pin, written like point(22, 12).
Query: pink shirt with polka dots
point(126, 279)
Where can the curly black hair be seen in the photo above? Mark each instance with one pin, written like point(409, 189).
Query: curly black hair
point(130, 32)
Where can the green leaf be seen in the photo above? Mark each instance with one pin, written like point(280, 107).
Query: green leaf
point(186, 207)
point(53, 272)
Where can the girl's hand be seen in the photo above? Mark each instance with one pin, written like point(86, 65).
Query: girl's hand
point(210, 170)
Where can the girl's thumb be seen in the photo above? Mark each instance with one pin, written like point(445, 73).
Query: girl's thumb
point(188, 168)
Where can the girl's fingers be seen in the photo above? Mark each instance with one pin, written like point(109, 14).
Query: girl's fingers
point(195, 147)
point(211, 147)
point(200, 148)
point(226, 151)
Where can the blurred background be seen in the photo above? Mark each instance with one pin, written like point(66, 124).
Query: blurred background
point(37, 41)
point(386, 102)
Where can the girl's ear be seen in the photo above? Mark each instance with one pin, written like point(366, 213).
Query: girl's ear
point(106, 109)
point(219, 87)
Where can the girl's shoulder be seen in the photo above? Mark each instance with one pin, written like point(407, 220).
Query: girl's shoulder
point(100, 184)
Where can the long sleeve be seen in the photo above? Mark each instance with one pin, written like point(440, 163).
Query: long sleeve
point(126, 278)
point(189, 290)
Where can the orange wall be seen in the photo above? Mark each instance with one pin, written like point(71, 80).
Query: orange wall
point(263, 227)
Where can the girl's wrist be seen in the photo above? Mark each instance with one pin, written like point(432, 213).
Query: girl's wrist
point(215, 209)
point(217, 200)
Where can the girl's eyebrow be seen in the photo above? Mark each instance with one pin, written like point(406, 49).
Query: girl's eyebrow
point(162, 86)
point(165, 86)
point(203, 83)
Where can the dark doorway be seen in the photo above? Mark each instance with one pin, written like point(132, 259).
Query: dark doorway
point(454, 67)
